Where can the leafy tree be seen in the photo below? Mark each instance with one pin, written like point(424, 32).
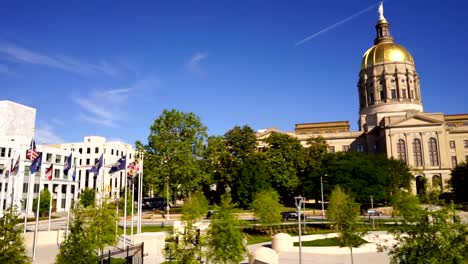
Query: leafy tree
point(429, 236)
point(344, 213)
point(314, 152)
point(267, 207)
point(252, 177)
point(175, 147)
point(79, 246)
point(241, 141)
point(218, 164)
point(187, 247)
point(12, 249)
point(459, 182)
point(102, 229)
point(225, 239)
point(45, 203)
point(194, 208)
point(88, 197)
point(284, 160)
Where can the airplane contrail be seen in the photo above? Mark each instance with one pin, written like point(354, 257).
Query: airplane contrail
point(335, 25)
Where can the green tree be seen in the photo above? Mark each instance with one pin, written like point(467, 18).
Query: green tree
point(344, 213)
point(459, 182)
point(12, 249)
point(186, 246)
point(102, 229)
point(79, 246)
point(314, 152)
point(45, 203)
point(268, 208)
point(284, 160)
point(225, 239)
point(252, 177)
point(88, 197)
point(174, 151)
point(218, 165)
point(429, 236)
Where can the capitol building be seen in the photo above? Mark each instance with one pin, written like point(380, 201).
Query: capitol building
point(392, 120)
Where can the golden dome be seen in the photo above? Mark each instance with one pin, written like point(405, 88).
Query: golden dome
point(385, 52)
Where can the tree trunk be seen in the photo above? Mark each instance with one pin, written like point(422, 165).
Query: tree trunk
point(351, 248)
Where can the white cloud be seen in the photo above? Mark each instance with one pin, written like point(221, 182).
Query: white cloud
point(103, 107)
point(19, 54)
point(193, 65)
point(45, 134)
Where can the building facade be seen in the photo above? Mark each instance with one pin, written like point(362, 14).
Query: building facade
point(391, 117)
point(17, 129)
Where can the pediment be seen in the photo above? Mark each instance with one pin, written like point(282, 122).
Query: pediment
point(414, 121)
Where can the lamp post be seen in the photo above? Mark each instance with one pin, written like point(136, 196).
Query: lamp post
point(321, 191)
point(299, 200)
point(372, 214)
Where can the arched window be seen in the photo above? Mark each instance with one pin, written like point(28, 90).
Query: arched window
point(401, 150)
point(417, 152)
point(433, 152)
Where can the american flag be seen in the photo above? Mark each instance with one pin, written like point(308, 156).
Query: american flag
point(32, 152)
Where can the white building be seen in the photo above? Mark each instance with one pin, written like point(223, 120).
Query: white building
point(17, 125)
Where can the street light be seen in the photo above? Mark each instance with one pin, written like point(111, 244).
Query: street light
point(321, 191)
point(299, 200)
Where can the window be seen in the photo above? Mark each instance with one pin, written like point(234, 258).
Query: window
point(36, 188)
point(58, 158)
point(393, 91)
point(345, 148)
point(80, 150)
point(49, 157)
point(64, 188)
point(2, 152)
point(64, 201)
point(117, 153)
point(433, 152)
point(412, 94)
point(1, 169)
point(81, 161)
point(96, 150)
point(331, 149)
point(88, 150)
point(9, 152)
point(454, 161)
point(130, 156)
point(88, 161)
point(465, 143)
point(371, 98)
point(403, 93)
point(25, 187)
point(417, 152)
point(112, 152)
point(360, 148)
point(452, 144)
point(401, 150)
point(56, 173)
point(27, 170)
point(382, 95)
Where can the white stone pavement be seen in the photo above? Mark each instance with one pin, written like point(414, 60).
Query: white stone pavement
point(366, 254)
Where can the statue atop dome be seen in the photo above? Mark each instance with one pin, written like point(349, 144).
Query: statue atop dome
point(380, 10)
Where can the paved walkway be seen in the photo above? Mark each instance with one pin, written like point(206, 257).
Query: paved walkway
point(366, 254)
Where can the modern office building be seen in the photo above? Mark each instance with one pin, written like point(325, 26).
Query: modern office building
point(391, 117)
point(17, 129)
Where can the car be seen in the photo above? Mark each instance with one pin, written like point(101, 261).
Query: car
point(290, 215)
point(154, 203)
point(373, 212)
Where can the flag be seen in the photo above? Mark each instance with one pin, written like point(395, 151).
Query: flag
point(68, 164)
point(132, 169)
point(15, 168)
point(95, 169)
point(32, 152)
point(74, 174)
point(36, 164)
point(7, 168)
point(49, 171)
point(119, 165)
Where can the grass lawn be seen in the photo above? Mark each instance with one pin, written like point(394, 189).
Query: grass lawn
point(145, 229)
point(116, 261)
point(326, 242)
point(255, 239)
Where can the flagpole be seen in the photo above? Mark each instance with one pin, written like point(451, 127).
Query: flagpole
point(125, 203)
point(133, 204)
point(102, 178)
point(37, 215)
point(50, 203)
point(69, 198)
point(141, 190)
point(26, 214)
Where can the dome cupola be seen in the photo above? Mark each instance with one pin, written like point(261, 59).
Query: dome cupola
point(388, 81)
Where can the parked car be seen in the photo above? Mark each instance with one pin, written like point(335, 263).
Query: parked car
point(154, 203)
point(291, 215)
point(373, 212)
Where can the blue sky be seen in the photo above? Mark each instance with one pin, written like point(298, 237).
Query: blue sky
point(110, 67)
